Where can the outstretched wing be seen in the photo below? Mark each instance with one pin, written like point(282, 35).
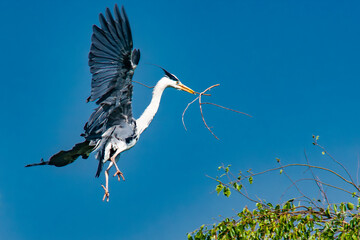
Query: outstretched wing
point(112, 63)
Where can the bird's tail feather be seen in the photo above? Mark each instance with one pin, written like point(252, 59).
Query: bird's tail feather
point(63, 158)
point(101, 154)
point(105, 152)
point(99, 169)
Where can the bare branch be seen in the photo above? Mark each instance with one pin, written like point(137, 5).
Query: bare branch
point(182, 117)
point(339, 163)
point(323, 183)
point(317, 182)
point(227, 185)
point(303, 165)
point(297, 188)
point(201, 111)
point(226, 108)
point(203, 93)
point(357, 171)
point(142, 84)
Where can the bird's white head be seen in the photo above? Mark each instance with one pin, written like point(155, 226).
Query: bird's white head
point(174, 82)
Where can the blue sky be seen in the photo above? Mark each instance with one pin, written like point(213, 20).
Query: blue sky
point(293, 65)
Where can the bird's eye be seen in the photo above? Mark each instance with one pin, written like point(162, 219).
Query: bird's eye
point(177, 82)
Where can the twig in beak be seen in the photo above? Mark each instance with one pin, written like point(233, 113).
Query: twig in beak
point(201, 111)
point(204, 94)
point(142, 84)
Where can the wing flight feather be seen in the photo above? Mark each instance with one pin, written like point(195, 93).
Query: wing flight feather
point(112, 62)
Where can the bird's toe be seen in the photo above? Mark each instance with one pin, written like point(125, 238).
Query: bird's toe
point(119, 174)
point(106, 195)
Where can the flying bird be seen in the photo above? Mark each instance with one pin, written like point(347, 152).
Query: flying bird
point(111, 128)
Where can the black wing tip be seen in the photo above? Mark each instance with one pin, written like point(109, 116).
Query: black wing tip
point(101, 17)
point(97, 29)
point(108, 15)
point(103, 22)
point(116, 9)
point(122, 8)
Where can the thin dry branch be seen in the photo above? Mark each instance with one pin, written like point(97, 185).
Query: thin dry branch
point(142, 84)
point(336, 161)
point(303, 165)
point(203, 93)
point(201, 111)
point(226, 108)
point(297, 188)
point(229, 186)
point(318, 183)
point(182, 118)
point(357, 171)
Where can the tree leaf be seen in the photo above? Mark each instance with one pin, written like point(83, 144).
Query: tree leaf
point(227, 191)
point(219, 188)
point(350, 206)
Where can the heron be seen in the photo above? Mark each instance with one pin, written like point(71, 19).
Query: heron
point(111, 128)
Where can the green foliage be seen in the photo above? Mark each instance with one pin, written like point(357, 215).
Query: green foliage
point(298, 218)
point(282, 222)
point(226, 191)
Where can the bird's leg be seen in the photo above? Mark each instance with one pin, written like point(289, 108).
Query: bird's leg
point(106, 195)
point(118, 172)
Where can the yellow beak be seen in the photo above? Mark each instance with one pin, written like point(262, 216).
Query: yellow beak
point(186, 89)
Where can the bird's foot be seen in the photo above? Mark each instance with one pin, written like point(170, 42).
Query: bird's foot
point(119, 174)
point(106, 195)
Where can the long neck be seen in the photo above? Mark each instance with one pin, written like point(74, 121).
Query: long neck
point(145, 119)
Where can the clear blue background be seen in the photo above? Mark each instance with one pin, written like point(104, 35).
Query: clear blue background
point(293, 65)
